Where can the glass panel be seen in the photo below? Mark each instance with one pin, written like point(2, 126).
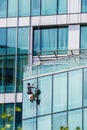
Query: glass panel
point(35, 7)
point(44, 123)
point(83, 37)
point(85, 119)
point(18, 116)
point(30, 123)
point(12, 8)
point(48, 39)
point(9, 121)
point(3, 8)
point(60, 92)
point(22, 60)
point(85, 87)
point(2, 41)
point(1, 116)
point(48, 8)
point(45, 85)
point(63, 38)
point(75, 119)
point(36, 41)
point(11, 40)
point(10, 74)
point(23, 34)
point(2, 73)
point(59, 120)
point(75, 89)
point(29, 108)
point(24, 7)
point(62, 6)
point(84, 5)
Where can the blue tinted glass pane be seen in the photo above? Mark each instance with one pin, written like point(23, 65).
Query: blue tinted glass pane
point(62, 6)
point(12, 8)
point(83, 37)
point(3, 8)
point(22, 60)
point(60, 92)
point(1, 112)
point(84, 5)
point(45, 85)
point(44, 123)
point(48, 7)
point(24, 7)
point(48, 39)
point(23, 34)
point(11, 41)
point(29, 108)
point(75, 119)
point(36, 41)
point(63, 38)
point(29, 123)
point(59, 120)
point(75, 89)
point(18, 116)
point(9, 110)
point(85, 87)
point(2, 40)
point(35, 7)
point(2, 73)
point(2, 37)
point(10, 74)
point(85, 119)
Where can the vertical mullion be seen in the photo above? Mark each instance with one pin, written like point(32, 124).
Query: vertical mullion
point(52, 104)
point(67, 95)
point(82, 99)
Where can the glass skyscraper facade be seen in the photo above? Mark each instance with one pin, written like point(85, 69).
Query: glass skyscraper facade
point(63, 100)
point(26, 28)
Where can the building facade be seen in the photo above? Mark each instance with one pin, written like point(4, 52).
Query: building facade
point(63, 98)
point(27, 27)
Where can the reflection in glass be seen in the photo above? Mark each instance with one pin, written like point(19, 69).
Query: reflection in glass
point(60, 92)
point(48, 8)
point(9, 122)
point(2, 41)
point(44, 123)
point(59, 120)
point(45, 85)
point(18, 115)
point(10, 74)
point(1, 115)
point(75, 119)
point(75, 89)
point(21, 61)
point(2, 73)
